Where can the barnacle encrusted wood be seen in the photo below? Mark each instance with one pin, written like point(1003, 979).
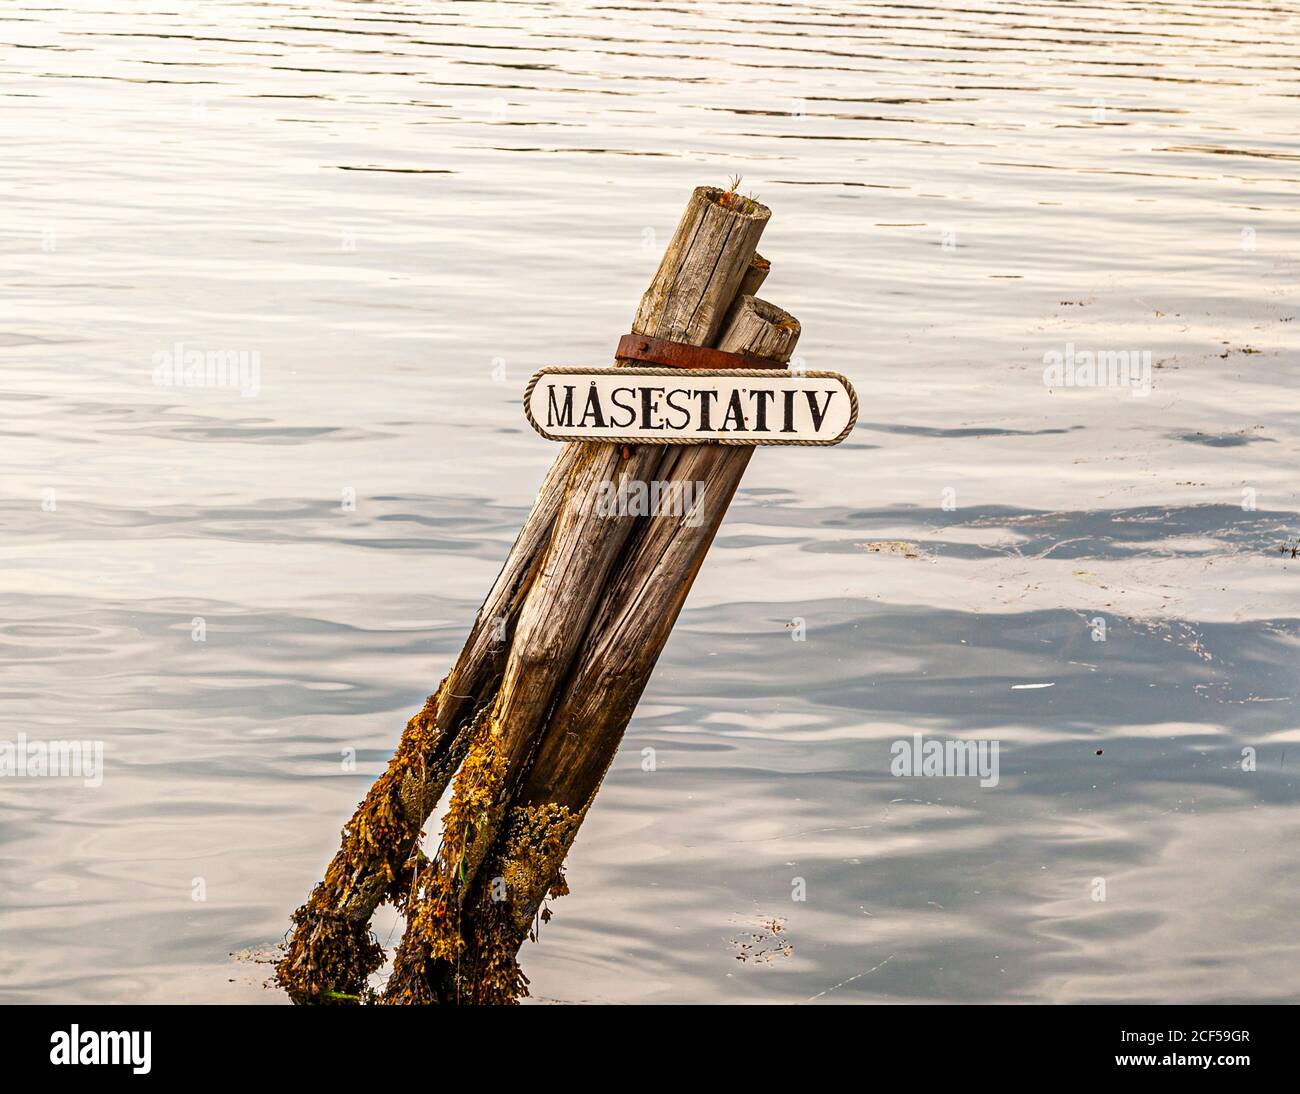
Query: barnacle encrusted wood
point(487, 715)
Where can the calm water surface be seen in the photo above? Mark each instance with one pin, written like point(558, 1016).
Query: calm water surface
point(405, 208)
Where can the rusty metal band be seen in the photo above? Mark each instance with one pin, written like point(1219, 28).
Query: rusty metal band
point(660, 351)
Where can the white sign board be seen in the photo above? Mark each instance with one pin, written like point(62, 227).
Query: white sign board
point(691, 406)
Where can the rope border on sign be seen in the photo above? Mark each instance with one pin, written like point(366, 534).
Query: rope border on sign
point(639, 371)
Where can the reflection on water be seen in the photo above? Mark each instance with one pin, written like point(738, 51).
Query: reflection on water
point(399, 211)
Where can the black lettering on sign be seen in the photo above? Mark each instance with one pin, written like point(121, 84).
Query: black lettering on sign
point(592, 409)
point(554, 414)
point(658, 406)
point(818, 413)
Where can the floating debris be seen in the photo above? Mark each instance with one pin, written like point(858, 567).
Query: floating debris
point(894, 547)
point(764, 945)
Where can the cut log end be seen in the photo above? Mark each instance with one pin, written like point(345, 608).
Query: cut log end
point(734, 202)
point(703, 267)
point(760, 329)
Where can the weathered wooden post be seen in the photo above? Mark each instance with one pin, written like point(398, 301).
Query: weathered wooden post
point(580, 612)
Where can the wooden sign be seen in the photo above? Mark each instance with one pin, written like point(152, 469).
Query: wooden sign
point(691, 406)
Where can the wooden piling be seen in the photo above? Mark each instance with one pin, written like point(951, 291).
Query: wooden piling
point(489, 716)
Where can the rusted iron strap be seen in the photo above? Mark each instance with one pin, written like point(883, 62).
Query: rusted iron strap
point(660, 351)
